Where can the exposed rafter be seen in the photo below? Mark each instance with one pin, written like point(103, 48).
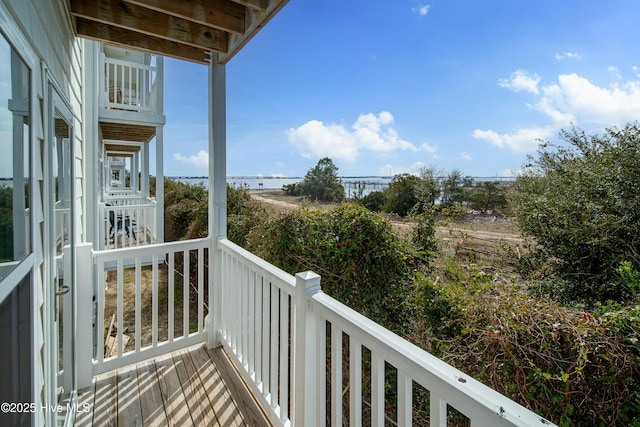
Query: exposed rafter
point(185, 29)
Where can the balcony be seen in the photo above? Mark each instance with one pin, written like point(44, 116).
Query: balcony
point(305, 358)
point(131, 92)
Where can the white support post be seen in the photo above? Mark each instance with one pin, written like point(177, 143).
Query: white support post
point(84, 311)
point(304, 351)
point(159, 185)
point(145, 171)
point(217, 191)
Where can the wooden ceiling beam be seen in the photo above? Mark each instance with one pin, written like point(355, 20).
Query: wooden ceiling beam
point(225, 15)
point(136, 18)
point(253, 4)
point(255, 22)
point(120, 36)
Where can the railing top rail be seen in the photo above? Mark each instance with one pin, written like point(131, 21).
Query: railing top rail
point(266, 267)
point(140, 251)
point(426, 369)
point(133, 206)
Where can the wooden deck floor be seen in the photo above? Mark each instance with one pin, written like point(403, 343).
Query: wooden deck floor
point(195, 386)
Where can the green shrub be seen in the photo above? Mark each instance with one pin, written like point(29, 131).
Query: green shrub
point(402, 194)
point(580, 203)
point(363, 263)
point(321, 183)
point(373, 201)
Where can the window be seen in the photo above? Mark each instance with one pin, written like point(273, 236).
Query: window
point(15, 221)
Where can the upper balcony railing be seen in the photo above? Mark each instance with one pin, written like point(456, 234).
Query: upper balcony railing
point(127, 222)
point(129, 86)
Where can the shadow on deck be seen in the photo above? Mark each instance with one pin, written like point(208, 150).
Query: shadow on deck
point(194, 386)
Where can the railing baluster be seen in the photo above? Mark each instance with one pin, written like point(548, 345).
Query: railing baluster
point(200, 289)
point(138, 307)
point(336, 375)
point(100, 300)
point(377, 390)
point(274, 345)
point(355, 382)
point(244, 278)
point(251, 366)
point(437, 410)
point(284, 355)
point(154, 302)
point(185, 293)
point(405, 399)
point(170, 298)
point(266, 329)
point(120, 311)
point(321, 372)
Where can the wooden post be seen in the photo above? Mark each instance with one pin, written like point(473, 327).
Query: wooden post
point(304, 351)
point(217, 191)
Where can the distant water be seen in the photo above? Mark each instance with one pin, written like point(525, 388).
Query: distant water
point(352, 185)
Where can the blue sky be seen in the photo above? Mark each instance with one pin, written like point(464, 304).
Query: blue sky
point(386, 87)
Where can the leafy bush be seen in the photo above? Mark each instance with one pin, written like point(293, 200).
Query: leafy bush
point(571, 366)
point(321, 183)
point(186, 212)
point(363, 263)
point(373, 201)
point(243, 214)
point(580, 203)
point(402, 194)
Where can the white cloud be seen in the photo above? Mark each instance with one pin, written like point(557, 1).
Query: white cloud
point(572, 99)
point(520, 80)
point(524, 140)
point(568, 55)
point(369, 132)
point(636, 70)
point(465, 156)
point(200, 160)
point(429, 148)
point(423, 10)
point(279, 164)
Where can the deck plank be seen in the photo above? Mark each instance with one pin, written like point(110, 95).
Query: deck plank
point(105, 405)
point(201, 411)
point(151, 403)
point(223, 406)
point(84, 414)
point(238, 390)
point(129, 409)
point(175, 404)
point(189, 387)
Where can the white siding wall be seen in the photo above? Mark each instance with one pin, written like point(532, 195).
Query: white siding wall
point(46, 27)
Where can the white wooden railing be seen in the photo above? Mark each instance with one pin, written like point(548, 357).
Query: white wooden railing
point(290, 341)
point(161, 281)
point(127, 224)
point(129, 85)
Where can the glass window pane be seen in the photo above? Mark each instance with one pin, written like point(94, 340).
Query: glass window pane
point(15, 221)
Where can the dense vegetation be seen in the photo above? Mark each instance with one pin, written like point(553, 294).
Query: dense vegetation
point(320, 183)
point(581, 204)
point(522, 321)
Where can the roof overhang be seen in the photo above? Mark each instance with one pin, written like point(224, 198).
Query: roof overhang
point(183, 29)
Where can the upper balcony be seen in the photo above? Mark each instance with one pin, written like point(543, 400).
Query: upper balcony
point(131, 89)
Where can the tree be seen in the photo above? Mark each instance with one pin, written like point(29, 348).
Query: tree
point(452, 189)
point(321, 182)
point(581, 204)
point(402, 194)
point(428, 190)
point(487, 195)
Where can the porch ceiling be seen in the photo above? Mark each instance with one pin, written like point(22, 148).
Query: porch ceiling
point(125, 132)
point(184, 29)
